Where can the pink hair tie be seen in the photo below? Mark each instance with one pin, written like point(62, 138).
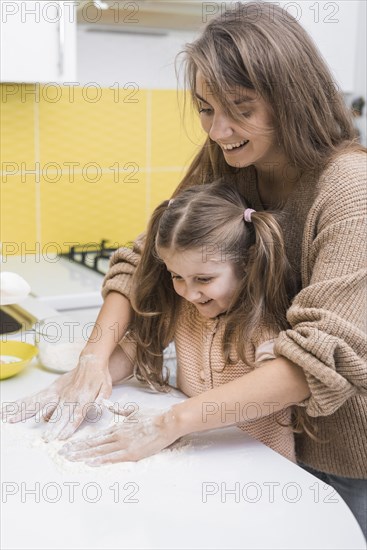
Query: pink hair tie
point(247, 214)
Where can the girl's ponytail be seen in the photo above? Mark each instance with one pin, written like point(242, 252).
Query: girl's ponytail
point(269, 277)
point(271, 285)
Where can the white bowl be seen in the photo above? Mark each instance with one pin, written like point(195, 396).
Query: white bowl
point(60, 341)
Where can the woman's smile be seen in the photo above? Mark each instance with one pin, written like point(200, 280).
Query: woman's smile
point(233, 147)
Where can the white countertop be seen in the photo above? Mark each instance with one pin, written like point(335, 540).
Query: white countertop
point(56, 281)
point(222, 490)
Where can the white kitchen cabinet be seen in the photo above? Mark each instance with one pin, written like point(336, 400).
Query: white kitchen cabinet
point(38, 41)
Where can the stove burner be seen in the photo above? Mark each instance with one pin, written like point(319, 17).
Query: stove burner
point(91, 255)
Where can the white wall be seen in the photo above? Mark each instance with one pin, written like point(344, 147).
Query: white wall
point(334, 28)
point(360, 86)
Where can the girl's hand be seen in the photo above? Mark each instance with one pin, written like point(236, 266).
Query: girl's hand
point(65, 403)
point(132, 440)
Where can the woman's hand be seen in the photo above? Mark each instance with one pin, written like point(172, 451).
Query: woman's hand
point(65, 403)
point(133, 439)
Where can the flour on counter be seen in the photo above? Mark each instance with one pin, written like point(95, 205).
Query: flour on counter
point(130, 397)
point(30, 434)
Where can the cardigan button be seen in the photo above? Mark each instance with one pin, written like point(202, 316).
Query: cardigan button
point(202, 375)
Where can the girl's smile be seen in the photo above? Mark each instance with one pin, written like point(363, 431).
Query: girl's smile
point(209, 284)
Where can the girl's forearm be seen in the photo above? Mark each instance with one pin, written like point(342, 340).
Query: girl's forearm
point(272, 387)
point(121, 363)
point(110, 326)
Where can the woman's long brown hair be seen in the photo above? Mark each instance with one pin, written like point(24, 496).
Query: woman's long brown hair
point(209, 218)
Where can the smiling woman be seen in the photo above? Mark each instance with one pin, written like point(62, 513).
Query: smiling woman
point(292, 146)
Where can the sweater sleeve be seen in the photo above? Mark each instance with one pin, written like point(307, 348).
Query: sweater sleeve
point(327, 337)
point(122, 266)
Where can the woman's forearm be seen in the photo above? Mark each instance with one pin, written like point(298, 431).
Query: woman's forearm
point(110, 326)
point(272, 387)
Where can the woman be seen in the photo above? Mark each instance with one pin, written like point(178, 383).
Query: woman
point(279, 131)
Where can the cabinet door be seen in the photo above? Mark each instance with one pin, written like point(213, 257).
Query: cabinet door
point(37, 41)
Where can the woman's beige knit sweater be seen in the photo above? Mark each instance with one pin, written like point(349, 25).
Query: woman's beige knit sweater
point(324, 228)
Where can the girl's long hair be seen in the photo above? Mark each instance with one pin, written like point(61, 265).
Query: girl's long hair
point(209, 218)
point(260, 46)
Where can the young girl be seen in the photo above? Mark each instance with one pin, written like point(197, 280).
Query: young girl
point(280, 133)
point(214, 279)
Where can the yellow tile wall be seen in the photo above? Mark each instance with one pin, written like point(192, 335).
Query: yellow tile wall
point(77, 168)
